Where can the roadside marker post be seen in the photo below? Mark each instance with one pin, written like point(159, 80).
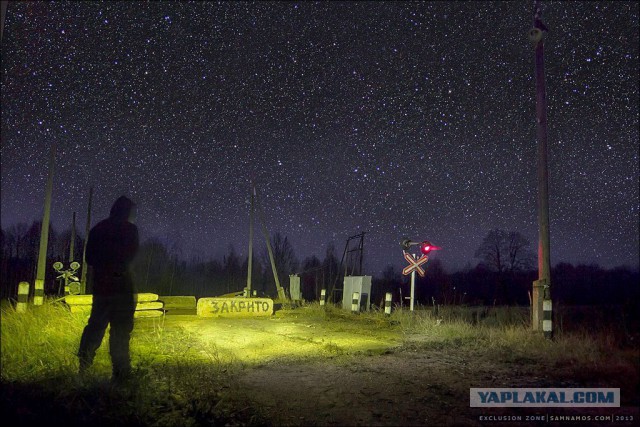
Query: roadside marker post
point(387, 304)
point(547, 322)
point(23, 297)
point(38, 295)
point(355, 302)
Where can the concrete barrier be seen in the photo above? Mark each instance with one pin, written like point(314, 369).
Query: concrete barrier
point(148, 313)
point(147, 302)
point(151, 305)
point(141, 306)
point(87, 299)
point(80, 308)
point(234, 307)
point(179, 302)
point(86, 309)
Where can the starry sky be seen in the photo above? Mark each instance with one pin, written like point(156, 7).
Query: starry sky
point(398, 119)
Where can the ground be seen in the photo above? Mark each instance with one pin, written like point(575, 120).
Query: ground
point(306, 370)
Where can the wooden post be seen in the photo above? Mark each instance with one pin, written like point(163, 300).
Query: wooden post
point(38, 297)
point(250, 258)
point(323, 294)
point(3, 9)
point(541, 287)
point(72, 244)
point(281, 294)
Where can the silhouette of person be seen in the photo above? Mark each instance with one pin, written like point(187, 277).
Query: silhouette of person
point(111, 246)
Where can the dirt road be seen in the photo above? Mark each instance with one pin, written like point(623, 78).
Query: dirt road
point(315, 372)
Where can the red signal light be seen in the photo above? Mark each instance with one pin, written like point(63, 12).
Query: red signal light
point(426, 247)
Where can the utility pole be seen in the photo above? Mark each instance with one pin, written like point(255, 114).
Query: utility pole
point(38, 297)
point(250, 258)
point(72, 244)
point(3, 9)
point(87, 229)
point(281, 294)
point(541, 298)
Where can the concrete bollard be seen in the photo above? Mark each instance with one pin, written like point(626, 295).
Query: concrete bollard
point(23, 297)
point(323, 294)
point(355, 302)
point(547, 324)
point(38, 295)
point(387, 304)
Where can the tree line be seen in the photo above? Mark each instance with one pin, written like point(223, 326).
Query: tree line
point(503, 275)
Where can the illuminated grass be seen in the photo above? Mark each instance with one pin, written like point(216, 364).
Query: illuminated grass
point(177, 379)
point(184, 366)
point(40, 342)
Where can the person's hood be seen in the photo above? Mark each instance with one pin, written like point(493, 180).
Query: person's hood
point(121, 209)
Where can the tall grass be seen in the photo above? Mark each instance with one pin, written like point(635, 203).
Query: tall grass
point(176, 381)
point(499, 332)
point(181, 379)
point(39, 343)
point(506, 334)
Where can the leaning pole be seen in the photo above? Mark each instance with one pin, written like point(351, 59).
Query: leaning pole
point(250, 257)
point(541, 298)
point(83, 279)
point(38, 296)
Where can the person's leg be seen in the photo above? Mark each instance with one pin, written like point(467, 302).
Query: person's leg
point(93, 332)
point(120, 335)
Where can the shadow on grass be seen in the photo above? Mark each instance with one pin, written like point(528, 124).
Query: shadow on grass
point(176, 396)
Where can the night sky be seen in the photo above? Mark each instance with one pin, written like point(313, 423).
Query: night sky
point(399, 119)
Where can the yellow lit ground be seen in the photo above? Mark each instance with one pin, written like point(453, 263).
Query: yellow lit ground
point(289, 335)
point(307, 367)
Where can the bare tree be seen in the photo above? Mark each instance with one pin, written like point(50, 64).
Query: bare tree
point(521, 257)
point(231, 266)
point(311, 276)
point(503, 251)
point(330, 264)
point(284, 257)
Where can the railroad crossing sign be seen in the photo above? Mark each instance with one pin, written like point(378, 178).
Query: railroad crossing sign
point(414, 264)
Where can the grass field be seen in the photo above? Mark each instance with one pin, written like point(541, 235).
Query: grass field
point(199, 371)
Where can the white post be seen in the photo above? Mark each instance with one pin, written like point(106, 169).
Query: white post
point(547, 325)
point(387, 304)
point(23, 297)
point(413, 287)
point(323, 293)
point(355, 302)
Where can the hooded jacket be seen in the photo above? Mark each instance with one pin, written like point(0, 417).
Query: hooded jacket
point(112, 244)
